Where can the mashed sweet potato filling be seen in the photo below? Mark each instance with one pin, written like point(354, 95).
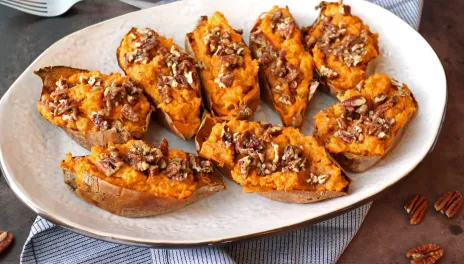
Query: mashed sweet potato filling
point(130, 175)
point(265, 157)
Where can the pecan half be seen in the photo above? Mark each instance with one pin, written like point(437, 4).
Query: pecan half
point(449, 204)
point(5, 240)
point(416, 208)
point(425, 254)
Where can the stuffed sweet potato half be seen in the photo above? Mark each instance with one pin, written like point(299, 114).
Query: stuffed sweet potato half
point(367, 123)
point(286, 68)
point(228, 73)
point(168, 75)
point(342, 47)
point(276, 162)
point(93, 108)
point(138, 180)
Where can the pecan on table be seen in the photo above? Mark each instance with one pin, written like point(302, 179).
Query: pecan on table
point(5, 240)
point(425, 254)
point(416, 208)
point(449, 204)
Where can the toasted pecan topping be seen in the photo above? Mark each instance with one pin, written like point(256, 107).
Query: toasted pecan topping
point(129, 113)
point(99, 121)
point(280, 68)
point(260, 153)
point(284, 25)
point(335, 40)
point(292, 159)
point(362, 117)
point(144, 41)
point(230, 54)
point(109, 165)
point(154, 160)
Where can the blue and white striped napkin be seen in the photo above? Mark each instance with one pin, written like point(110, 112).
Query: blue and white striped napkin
point(322, 243)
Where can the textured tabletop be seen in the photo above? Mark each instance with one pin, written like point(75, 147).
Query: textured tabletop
point(386, 233)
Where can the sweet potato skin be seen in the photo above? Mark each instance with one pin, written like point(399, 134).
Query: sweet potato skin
point(296, 196)
point(130, 203)
point(49, 76)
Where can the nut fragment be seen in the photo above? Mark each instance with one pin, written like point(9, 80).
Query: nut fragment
point(449, 204)
point(425, 254)
point(416, 208)
point(5, 240)
point(354, 101)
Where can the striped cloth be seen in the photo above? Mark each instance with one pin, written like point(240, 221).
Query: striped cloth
point(322, 243)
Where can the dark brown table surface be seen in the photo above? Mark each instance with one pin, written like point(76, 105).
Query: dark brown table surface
point(386, 234)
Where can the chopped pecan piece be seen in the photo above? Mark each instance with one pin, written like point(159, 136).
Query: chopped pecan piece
point(354, 101)
point(321, 179)
point(244, 165)
point(285, 25)
point(247, 142)
point(99, 121)
point(164, 147)
point(266, 168)
point(292, 159)
point(345, 10)
point(345, 136)
point(380, 98)
point(129, 113)
point(270, 130)
point(225, 79)
point(61, 84)
point(416, 208)
point(109, 165)
point(226, 136)
point(425, 254)
point(449, 204)
point(177, 169)
point(165, 93)
point(244, 110)
point(199, 165)
point(64, 105)
point(327, 72)
point(287, 99)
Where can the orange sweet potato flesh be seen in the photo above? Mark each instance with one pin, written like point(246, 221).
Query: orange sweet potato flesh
point(181, 114)
point(238, 100)
point(286, 186)
point(131, 193)
point(83, 129)
point(295, 54)
point(361, 155)
point(337, 16)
